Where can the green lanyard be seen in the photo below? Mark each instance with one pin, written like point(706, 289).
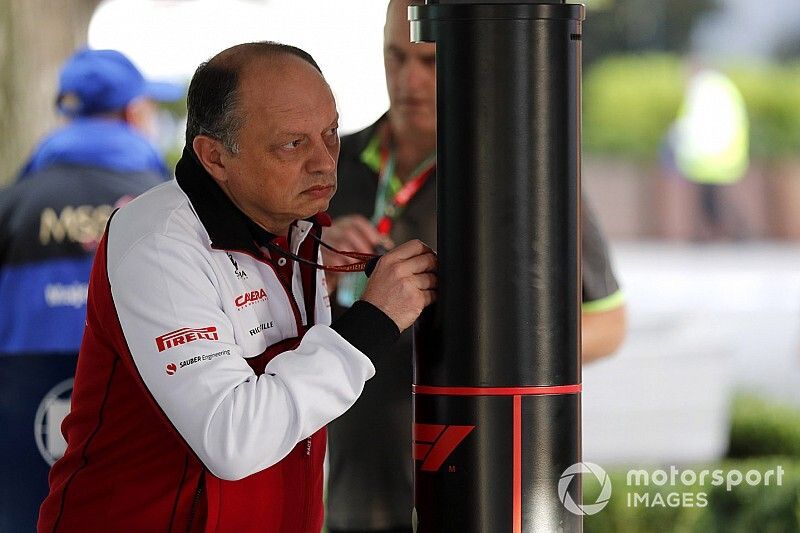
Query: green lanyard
point(393, 195)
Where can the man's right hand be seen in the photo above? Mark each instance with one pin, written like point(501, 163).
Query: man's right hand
point(404, 282)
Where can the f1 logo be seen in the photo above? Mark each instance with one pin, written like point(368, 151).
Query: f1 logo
point(433, 443)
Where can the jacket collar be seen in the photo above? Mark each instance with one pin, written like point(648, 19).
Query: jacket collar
point(227, 227)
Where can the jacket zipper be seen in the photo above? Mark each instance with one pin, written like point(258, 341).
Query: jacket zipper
point(196, 500)
point(287, 287)
point(305, 489)
point(295, 306)
point(309, 460)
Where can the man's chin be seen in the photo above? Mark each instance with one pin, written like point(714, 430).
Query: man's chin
point(316, 207)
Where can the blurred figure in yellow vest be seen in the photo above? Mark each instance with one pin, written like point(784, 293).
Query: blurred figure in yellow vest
point(710, 140)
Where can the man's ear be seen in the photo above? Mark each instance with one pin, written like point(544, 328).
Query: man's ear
point(210, 153)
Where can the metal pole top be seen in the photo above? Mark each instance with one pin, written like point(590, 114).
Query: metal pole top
point(424, 18)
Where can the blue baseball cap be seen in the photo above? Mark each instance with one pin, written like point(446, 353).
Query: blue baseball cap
point(97, 81)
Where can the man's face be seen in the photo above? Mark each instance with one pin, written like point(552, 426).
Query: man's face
point(142, 114)
point(285, 168)
point(410, 75)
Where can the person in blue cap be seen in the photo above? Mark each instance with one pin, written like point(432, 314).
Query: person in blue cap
point(51, 220)
point(54, 215)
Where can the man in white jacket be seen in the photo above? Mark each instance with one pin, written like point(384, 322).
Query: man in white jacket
point(209, 367)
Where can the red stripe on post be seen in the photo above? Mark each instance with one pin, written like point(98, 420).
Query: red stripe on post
point(517, 461)
point(496, 391)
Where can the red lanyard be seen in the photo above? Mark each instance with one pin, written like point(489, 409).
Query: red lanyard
point(365, 261)
point(405, 194)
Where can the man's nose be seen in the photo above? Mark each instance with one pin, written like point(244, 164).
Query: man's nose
point(322, 160)
point(414, 75)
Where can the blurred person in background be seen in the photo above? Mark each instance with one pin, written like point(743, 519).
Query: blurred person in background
point(51, 220)
point(709, 145)
point(387, 194)
point(53, 217)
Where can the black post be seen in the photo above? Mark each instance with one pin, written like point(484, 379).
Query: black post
point(497, 361)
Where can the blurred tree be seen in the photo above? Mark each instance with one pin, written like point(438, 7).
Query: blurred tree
point(789, 48)
point(615, 26)
point(36, 36)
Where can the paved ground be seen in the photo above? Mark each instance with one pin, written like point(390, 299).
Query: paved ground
point(705, 321)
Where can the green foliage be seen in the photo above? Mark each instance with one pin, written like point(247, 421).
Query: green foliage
point(757, 508)
point(178, 112)
point(772, 96)
point(764, 436)
point(630, 101)
point(177, 108)
point(743, 509)
point(762, 428)
point(627, 26)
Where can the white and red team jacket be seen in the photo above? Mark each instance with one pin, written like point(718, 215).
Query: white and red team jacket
point(207, 374)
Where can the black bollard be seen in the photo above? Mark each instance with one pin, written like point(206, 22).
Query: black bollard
point(497, 360)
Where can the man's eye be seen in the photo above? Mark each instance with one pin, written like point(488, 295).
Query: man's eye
point(395, 57)
point(293, 144)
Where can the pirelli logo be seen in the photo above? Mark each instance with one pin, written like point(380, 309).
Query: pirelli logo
point(433, 443)
point(185, 336)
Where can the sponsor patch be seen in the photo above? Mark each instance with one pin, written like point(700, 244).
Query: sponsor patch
point(172, 367)
point(185, 336)
point(262, 327)
point(240, 273)
point(249, 298)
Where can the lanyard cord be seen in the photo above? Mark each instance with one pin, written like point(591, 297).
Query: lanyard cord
point(387, 211)
point(366, 261)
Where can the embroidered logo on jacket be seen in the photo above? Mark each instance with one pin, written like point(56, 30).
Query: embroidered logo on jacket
point(185, 336)
point(262, 327)
point(250, 298)
point(240, 273)
point(172, 367)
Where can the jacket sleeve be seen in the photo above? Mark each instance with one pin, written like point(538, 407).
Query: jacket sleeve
point(600, 286)
point(182, 345)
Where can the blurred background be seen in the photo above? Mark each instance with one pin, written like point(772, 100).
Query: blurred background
point(710, 266)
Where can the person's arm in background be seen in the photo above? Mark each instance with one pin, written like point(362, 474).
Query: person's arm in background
point(602, 332)
point(603, 313)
